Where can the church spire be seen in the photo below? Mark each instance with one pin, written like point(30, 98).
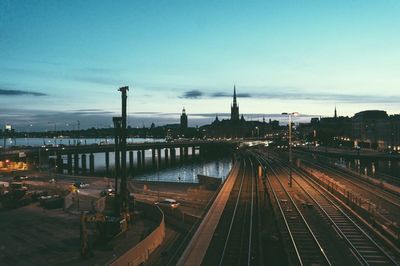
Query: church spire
point(335, 115)
point(234, 95)
point(234, 106)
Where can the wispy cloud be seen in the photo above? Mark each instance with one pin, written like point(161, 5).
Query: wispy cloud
point(8, 92)
point(91, 112)
point(193, 94)
point(289, 93)
point(224, 94)
point(88, 118)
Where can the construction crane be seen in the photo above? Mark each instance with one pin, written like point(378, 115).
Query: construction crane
point(111, 225)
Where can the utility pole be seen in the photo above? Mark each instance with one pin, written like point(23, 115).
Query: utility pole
point(290, 150)
point(290, 145)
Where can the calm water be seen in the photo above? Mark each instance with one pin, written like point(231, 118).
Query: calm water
point(373, 167)
point(188, 173)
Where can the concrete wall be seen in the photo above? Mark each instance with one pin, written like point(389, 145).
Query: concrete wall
point(140, 253)
point(68, 201)
point(100, 204)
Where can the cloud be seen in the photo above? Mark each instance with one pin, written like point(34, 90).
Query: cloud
point(193, 94)
point(90, 112)
point(224, 94)
point(20, 92)
point(290, 93)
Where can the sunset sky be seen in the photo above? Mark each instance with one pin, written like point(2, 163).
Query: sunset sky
point(64, 60)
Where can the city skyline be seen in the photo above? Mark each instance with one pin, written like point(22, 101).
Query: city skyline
point(67, 60)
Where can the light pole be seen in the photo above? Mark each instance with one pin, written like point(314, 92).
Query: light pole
point(290, 145)
point(27, 139)
point(55, 132)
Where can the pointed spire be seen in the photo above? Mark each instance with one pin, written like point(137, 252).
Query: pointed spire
point(234, 95)
point(335, 115)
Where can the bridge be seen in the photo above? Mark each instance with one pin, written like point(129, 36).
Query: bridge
point(80, 159)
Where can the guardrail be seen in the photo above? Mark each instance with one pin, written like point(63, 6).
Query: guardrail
point(140, 253)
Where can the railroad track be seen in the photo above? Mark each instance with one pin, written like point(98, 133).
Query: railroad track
point(387, 195)
point(235, 241)
point(378, 174)
point(388, 204)
point(365, 249)
point(303, 246)
point(238, 244)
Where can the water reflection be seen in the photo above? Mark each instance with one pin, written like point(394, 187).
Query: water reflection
point(372, 167)
point(188, 173)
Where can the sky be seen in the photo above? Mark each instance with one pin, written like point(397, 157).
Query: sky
point(63, 61)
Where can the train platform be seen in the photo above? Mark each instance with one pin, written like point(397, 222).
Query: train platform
point(197, 247)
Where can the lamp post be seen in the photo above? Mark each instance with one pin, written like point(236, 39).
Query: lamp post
point(55, 132)
point(27, 137)
point(290, 145)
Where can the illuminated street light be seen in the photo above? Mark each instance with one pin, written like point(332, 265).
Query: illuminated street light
point(290, 144)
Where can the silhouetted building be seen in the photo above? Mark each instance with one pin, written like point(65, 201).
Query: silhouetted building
point(184, 120)
point(234, 107)
point(237, 126)
point(331, 131)
point(375, 129)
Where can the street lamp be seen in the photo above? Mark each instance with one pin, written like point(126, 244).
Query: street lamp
point(290, 144)
point(55, 132)
point(27, 138)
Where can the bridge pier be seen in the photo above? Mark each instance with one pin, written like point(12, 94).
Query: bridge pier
point(159, 158)
point(69, 163)
point(200, 151)
point(107, 156)
point(131, 162)
point(139, 159)
point(193, 152)
point(181, 155)
point(172, 151)
point(143, 158)
point(153, 157)
point(83, 159)
point(166, 156)
point(186, 154)
point(76, 163)
point(91, 164)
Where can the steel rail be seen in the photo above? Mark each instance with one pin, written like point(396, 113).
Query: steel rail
point(233, 217)
point(251, 212)
point(299, 257)
point(317, 187)
point(386, 195)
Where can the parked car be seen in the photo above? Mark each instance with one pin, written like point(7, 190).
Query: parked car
point(80, 184)
point(20, 177)
point(107, 192)
point(171, 203)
